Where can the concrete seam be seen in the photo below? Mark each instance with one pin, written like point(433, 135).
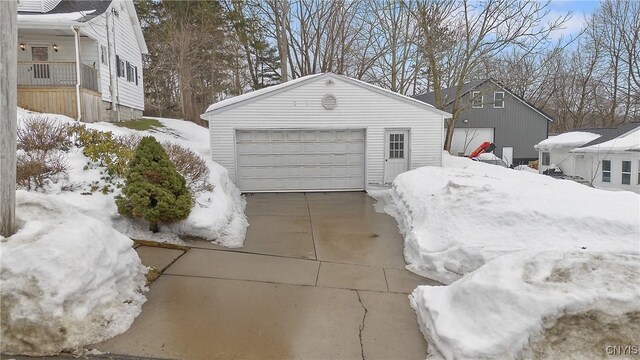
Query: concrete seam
point(173, 262)
point(318, 274)
point(313, 239)
point(384, 271)
point(361, 327)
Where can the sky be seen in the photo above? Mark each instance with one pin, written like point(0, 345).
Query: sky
point(580, 9)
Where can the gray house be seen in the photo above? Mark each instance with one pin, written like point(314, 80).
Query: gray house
point(491, 112)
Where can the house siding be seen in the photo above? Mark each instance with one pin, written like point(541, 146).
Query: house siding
point(126, 47)
point(516, 125)
point(595, 171)
point(301, 107)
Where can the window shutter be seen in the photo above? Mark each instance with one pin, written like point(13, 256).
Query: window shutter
point(136, 75)
point(118, 65)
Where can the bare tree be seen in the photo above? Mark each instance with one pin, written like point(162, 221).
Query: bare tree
point(459, 36)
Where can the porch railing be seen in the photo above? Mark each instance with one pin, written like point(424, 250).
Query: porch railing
point(56, 74)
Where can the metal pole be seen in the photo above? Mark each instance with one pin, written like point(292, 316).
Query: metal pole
point(8, 115)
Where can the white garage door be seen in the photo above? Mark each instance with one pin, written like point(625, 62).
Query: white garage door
point(465, 140)
point(295, 160)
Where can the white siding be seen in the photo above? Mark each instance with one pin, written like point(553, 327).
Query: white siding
point(561, 158)
point(595, 171)
point(300, 106)
point(126, 47)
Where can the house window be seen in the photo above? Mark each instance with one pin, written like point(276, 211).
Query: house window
point(626, 173)
point(476, 99)
point(103, 55)
point(396, 146)
point(546, 158)
point(129, 72)
point(606, 171)
point(498, 99)
point(120, 69)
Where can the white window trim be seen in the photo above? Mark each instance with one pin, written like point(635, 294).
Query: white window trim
point(494, 99)
point(606, 171)
point(623, 173)
point(474, 95)
point(542, 162)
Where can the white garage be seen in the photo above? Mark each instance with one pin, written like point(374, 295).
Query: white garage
point(322, 132)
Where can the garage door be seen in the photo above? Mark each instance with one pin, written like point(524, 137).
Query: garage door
point(465, 140)
point(295, 160)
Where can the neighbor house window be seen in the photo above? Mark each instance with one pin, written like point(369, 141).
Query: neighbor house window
point(120, 69)
point(498, 99)
point(103, 54)
point(606, 171)
point(546, 158)
point(626, 173)
point(129, 72)
point(476, 99)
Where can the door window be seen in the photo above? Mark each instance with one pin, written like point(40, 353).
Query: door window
point(40, 54)
point(396, 146)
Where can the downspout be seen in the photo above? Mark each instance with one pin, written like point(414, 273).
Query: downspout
point(115, 114)
point(76, 33)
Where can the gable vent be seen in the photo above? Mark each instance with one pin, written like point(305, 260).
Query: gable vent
point(329, 102)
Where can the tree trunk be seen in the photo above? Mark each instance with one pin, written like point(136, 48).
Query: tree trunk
point(153, 226)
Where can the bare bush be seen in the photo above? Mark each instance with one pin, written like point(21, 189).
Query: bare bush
point(43, 133)
point(33, 168)
point(190, 165)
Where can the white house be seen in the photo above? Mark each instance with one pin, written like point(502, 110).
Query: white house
point(101, 41)
point(607, 158)
point(612, 164)
point(323, 132)
point(555, 151)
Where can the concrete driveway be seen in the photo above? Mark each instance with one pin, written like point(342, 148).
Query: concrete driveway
point(321, 276)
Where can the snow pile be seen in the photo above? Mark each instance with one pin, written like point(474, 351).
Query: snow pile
point(457, 218)
point(626, 142)
point(549, 305)
point(568, 140)
point(217, 216)
point(67, 280)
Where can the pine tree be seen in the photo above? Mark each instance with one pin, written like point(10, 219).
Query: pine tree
point(154, 190)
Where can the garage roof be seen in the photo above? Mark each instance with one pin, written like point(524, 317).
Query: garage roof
point(272, 90)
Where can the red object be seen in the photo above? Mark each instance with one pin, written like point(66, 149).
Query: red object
point(485, 147)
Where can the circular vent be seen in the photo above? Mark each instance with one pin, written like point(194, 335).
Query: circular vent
point(329, 102)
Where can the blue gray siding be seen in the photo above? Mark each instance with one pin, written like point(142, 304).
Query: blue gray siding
point(516, 124)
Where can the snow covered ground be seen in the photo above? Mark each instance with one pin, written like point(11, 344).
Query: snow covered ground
point(66, 279)
point(217, 216)
point(527, 258)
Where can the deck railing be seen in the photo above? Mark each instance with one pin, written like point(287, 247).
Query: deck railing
point(56, 74)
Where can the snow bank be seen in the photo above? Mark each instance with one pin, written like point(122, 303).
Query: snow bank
point(217, 216)
point(67, 280)
point(546, 305)
point(568, 140)
point(457, 218)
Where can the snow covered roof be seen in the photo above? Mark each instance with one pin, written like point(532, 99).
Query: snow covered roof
point(215, 107)
point(66, 11)
point(77, 12)
point(570, 140)
point(629, 141)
